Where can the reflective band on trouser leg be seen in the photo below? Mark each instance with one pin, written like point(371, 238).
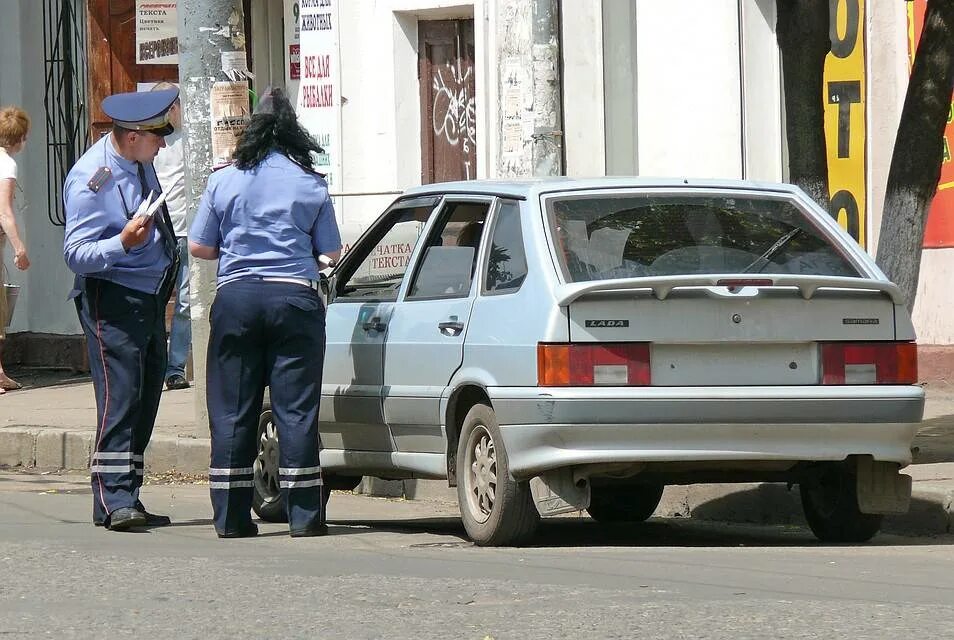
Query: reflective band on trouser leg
point(299, 478)
point(112, 462)
point(226, 479)
point(231, 493)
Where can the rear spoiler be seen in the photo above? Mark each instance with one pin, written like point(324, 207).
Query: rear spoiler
point(662, 286)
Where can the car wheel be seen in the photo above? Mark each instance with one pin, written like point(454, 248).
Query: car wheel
point(496, 509)
point(830, 502)
point(629, 503)
point(267, 500)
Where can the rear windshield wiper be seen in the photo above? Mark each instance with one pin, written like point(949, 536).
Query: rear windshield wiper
point(772, 251)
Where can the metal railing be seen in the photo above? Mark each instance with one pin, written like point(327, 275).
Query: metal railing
point(65, 69)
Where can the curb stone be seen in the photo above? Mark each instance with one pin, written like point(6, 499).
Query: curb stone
point(931, 513)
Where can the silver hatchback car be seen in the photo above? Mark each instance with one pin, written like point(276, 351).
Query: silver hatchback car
point(563, 345)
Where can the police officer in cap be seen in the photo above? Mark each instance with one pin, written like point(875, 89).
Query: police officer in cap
point(122, 248)
point(265, 218)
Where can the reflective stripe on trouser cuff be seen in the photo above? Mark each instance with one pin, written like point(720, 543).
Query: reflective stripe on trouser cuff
point(112, 468)
point(300, 484)
point(115, 455)
point(231, 484)
point(298, 471)
point(225, 479)
point(240, 471)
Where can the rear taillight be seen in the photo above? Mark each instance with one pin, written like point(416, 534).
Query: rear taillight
point(613, 364)
point(869, 363)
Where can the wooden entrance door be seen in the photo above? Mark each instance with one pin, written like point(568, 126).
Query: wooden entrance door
point(112, 58)
point(111, 27)
point(448, 101)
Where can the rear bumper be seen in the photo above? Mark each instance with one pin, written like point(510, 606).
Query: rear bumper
point(549, 428)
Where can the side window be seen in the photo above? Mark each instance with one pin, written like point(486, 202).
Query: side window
point(450, 256)
point(379, 261)
point(507, 262)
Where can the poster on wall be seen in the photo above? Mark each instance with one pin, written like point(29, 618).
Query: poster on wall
point(292, 48)
point(319, 100)
point(157, 40)
point(845, 100)
point(939, 231)
point(230, 115)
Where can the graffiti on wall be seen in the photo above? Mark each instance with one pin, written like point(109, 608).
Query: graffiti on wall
point(454, 110)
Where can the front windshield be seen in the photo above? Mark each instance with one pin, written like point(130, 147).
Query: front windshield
point(628, 236)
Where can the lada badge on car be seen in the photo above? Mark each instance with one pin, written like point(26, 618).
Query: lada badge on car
point(609, 324)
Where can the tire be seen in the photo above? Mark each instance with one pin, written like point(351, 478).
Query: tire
point(624, 503)
point(496, 509)
point(830, 502)
point(267, 500)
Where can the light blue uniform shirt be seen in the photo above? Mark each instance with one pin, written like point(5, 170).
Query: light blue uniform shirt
point(94, 219)
point(268, 221)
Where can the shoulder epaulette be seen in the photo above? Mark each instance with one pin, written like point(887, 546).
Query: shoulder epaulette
point(101, 177)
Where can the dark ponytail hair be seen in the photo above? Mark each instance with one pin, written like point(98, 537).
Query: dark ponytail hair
point(275, 127)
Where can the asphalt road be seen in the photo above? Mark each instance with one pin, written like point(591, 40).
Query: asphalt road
point(394, 569)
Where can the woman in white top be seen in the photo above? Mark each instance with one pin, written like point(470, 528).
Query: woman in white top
point(14, 127)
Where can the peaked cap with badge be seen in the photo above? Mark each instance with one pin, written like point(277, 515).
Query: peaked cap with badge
point(142, 111)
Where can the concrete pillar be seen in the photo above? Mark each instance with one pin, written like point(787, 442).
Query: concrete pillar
point(207, 29)
point(530, 112)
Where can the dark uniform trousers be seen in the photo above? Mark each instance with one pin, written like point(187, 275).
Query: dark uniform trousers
point(265, 333)
point(126, 340)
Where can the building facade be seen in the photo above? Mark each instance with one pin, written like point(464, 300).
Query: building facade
point(401, 92)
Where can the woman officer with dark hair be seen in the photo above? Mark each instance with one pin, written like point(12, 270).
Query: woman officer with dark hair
point(265, 218)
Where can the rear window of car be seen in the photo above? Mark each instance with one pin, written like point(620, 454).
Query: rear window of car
point(628, 236)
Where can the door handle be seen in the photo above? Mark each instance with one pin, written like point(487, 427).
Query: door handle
point(452, 328)
point(374, 324)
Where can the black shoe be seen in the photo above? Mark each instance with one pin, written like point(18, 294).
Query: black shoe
point(125, 519)
point(310, 532)
point(245, 532)
point(175, 381)
point(153, 519)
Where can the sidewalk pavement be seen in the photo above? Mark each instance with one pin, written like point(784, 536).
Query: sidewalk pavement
point(52, 427)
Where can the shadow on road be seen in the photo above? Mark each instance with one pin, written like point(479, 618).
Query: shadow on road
point(657, 532)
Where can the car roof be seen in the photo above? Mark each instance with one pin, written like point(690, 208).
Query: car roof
point(528, 188)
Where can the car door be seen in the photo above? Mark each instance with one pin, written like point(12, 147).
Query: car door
point(426, 331)
point(364, 289)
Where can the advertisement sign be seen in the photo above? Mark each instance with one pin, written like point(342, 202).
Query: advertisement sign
point(845, 98)
point(230, 115)
point(293, 40)
point(157, 40)
point(319, 100)
point(294, 62)
point(939, 231)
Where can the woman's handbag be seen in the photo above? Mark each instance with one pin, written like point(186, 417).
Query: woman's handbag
point(9, 302)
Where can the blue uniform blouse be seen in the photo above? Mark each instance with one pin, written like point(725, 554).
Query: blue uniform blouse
point(94, 219)
point(268, 221)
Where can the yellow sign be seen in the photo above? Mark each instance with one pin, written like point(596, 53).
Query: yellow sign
point(845, 122)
